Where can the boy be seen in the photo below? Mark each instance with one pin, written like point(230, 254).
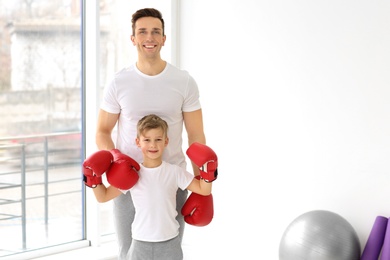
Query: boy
point(155, 229)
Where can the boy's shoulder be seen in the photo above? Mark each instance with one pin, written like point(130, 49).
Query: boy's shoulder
point(172, 166)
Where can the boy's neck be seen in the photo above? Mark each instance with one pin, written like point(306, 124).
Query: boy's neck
point(151, 163)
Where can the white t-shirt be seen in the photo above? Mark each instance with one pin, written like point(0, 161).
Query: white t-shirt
point(134, 95)
point(154, 198)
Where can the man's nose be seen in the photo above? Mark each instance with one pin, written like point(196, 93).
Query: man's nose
point(149, 36)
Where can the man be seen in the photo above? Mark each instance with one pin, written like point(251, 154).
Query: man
point(151, 85)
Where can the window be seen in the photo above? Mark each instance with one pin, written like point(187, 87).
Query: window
point(41, 144)
point(46, 113)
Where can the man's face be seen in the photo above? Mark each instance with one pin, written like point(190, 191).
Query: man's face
point(148, 37)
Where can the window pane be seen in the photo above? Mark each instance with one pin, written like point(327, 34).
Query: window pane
point(40, 146)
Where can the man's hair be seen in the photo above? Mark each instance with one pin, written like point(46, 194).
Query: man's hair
point(151, 121)
point(147, 12)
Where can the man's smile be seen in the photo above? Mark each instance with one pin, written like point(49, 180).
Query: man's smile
point(149, 46)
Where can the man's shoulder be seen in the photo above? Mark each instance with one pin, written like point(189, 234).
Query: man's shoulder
point(125, 73)
point(176, 70)
point(125, 70)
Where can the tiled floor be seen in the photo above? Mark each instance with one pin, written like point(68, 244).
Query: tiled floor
point(107, 251)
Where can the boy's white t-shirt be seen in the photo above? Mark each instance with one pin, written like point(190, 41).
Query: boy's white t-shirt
point(154, 198)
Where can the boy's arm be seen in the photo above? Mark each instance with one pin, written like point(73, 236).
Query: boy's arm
point(200, 187)
point(104, 194)
point(93, 168)
point(198, 210)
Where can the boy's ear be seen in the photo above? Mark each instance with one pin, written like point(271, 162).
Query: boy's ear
point(166, 141)
point(137, 142)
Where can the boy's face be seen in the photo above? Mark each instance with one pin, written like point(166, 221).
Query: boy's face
point(152, 143)
point(148, 37)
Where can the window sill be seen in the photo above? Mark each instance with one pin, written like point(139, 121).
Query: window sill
point(107, 250)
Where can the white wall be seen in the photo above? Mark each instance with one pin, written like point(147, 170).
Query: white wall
point(296, 99)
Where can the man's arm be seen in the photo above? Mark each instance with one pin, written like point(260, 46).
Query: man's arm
point(193, 122)
point(105, 125)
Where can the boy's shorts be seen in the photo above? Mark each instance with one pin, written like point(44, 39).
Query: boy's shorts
point(165, 250)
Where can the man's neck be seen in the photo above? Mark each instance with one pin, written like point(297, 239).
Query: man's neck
point(151, 67)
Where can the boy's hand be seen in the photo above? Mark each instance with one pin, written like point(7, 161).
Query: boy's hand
point(123, 173)
point(95, 166)
point(206, 159)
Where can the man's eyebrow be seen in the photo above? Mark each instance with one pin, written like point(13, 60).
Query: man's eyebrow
point(154, 29)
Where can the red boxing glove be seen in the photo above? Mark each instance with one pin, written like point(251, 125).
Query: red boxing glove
point(206, 159)
point(94, 167)
point(123, 173)
point(198, 210)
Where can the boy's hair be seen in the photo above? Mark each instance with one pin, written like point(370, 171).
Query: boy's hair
point(151, 121)
point(147, 12)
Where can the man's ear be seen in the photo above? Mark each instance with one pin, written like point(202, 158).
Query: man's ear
point(132, 38)
point(164, 39)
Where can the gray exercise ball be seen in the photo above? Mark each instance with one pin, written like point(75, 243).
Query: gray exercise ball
point(319, 235)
